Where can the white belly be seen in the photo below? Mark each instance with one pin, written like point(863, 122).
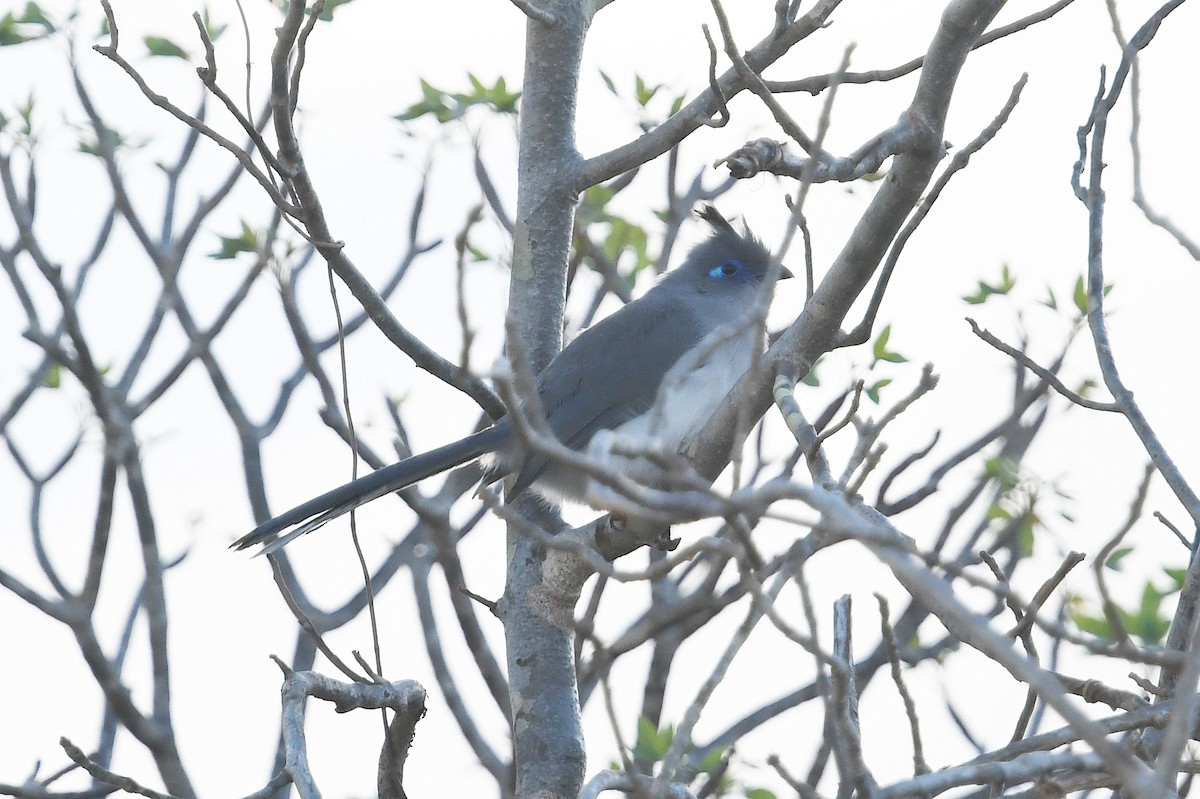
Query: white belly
point(689, 395)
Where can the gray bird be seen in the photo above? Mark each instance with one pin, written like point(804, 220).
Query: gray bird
point(650, 375)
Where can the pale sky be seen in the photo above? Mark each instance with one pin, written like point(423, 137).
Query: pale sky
point(1013, 207)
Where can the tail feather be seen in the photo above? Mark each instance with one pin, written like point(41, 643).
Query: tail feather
point(308, 516)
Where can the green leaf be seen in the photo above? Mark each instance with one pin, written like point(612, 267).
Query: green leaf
point(19, 28)
point(1079, 296)
point(448, 106)
point(112, 139)
point(677, 104)
point(232, 246)
point(712, 760)
point(9, 34)
point(1051, 301)
point(998, 511)
point(330, 5)
point(623, 237)
point(985, 290)
point(214, 31)
point(1093, 625)
point(1177, 577)
point(326, 14)
point(1025, 535)
point(53, 378)
point(1005, 471)
point(880, 349)
point(811, 379)
point(1148, 623)
point(25, 110)
point(1114, 560)
point(33, 15)
point(644, 93)
point(882, 339)
point(651, 743)
point(594, 200)
point(612, 87)
point(1154, 630)
point(1151, 599)
point(873, 390)
point(759, 793)
point(503, 101)
point(160, 46)
point(434, 103)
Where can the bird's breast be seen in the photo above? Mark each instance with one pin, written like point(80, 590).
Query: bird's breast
point(693, 389)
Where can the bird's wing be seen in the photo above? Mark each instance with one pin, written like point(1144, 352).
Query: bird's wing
point(640, 342)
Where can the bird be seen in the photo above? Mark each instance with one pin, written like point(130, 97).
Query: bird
point(649, 376)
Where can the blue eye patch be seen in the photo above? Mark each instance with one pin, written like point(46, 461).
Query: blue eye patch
point(730, 267)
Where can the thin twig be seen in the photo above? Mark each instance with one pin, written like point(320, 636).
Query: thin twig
point(127, 784)
point(958, 162)
point(888, 633)
point(1041, 371)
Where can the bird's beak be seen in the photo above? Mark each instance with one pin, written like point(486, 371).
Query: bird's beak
point(785, 273)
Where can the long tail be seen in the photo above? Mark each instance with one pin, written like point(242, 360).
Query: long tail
point(305, 518)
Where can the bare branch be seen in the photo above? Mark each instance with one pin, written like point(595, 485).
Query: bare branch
point(104, 775)
point(109, 51)
point(1040, 371)
point(862, 331)
point(1135, 147)
point(406, 698)
point(910, 709)
point(701, 109)
point(1094, 200)
point(819, 83)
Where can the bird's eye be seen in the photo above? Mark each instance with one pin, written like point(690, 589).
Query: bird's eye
point(727, 268)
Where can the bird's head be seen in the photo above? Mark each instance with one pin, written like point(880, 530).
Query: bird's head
point(728, 262)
